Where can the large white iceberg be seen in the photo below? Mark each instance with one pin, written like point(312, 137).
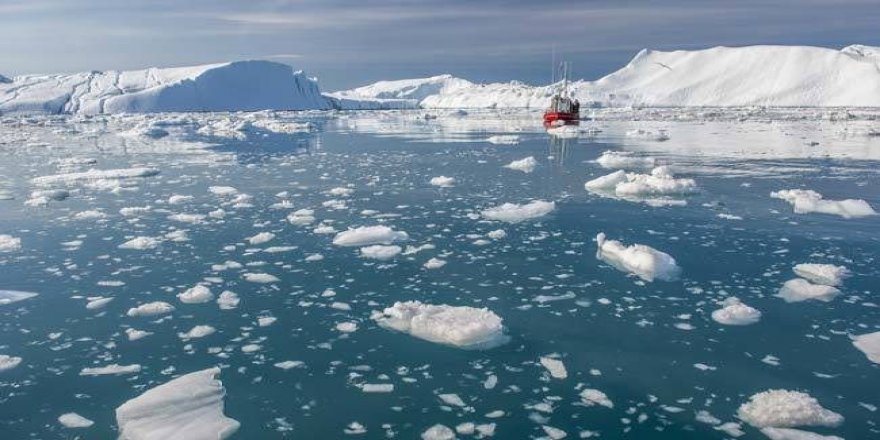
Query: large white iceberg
point(643, 261)
point(187, 408)
point(461, 326)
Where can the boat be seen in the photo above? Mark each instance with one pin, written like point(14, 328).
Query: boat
point(563, 108)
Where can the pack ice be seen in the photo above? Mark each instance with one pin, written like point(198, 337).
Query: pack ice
point(643, 261)
point(458, 326)
point(187, 408)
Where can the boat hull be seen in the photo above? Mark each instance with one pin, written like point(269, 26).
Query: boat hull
point(551, 117)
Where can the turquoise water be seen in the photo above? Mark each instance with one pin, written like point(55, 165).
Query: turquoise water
point(612, 331)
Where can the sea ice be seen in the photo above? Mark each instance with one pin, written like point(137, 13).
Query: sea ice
point(443, 181)
point(735, 312)
point(12, 296)
point(199, 331)
point(141, 243)
point(186, 408)
point(151, 309)
point(115, 369)
point(807, 201)
point(74, 420)
point(438, 432)
point(261, 238)
point(9, 243)
point(799, 289)
point(380, 252)
point(434, 263)
point(8, 362)
point(514, 213)
point(590, 397)
point(262, 278)
point(869, 344)
point(526, 165)
point(197, 294)
point(555, 367)
point(624, 159)
point(634, 186)
point(462, 326)
point(643, 261)
point(93, 175)
point(786, 409)
point(368, 235)
point(795, 434)
point(503, 139)
point(826, 274)
point(228, 300)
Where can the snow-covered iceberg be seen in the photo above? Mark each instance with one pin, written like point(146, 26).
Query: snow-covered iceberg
point(233, 86)
point(784, 76)
point(462, 327)
point(187, 408)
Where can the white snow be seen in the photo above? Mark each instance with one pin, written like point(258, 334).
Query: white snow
point(197, 294)
point(462, 326)
point(12, 296)
point(8, 362)
point(869, 344)
point(115, 369)
point(74, 420)
point(735, 312)
point(786, 409)
point(9, 243)
point(799, 289)
point(827, 274)
point(443, 181)
point(141, 243)
point(151, 309)
point(526, 165)
point(188, 407)
point(380, 252)
point(234, 86)
point(641, 260)
point(807, 201)
point(590, 397)
point(368, 235)
point(515, 213)
point(555, 367)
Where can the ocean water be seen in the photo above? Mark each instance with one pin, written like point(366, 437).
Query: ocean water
point(652, 347)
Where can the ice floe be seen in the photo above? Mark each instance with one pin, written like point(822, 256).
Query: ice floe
point(555, 367)
point(199, 331)
point(380, 252)
point(74, 420)
point(625, 159)
point(70, 179)
point(795, 434)
point(141, 243)
point(197, 294)
point(591, 397)
point(434, 263)
point(457, 326)
point(799, 289)
point(515, 213)
point(827, 274)
point(735, 312)
point(112, 369)
point(443, 181)
point(786, 409)
point(151, 309)
point(526, 165)
point(8, 362)
point(438, 432)
point(188, 407)
point(641, 260)
point(657, 189)
point(869, 344)
point(13, 296)
point(807, 201)
point(9, 243)
point(504, 139)
point(369, 235)
point(260, 277)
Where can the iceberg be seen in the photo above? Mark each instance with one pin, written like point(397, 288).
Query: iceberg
point(869, 344)
point(12, 296)
point(786, 409)
point(807, 201)
point(457, 326)
point(515, 213)
point(799, 289)
point(369, 235)
point(643, 261)
point(826, 274)
point(189, 407)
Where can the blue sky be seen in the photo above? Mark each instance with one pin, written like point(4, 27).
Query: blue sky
point(346, 43)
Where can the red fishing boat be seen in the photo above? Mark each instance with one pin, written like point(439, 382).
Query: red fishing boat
point(563, 109)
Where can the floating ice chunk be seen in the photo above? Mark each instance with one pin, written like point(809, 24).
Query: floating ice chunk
point(265, 321)
point(197, 294)
point(178, 235)
point(643, 261)
point(263, 278)
point(655, 189)
point(526, 165)
point(380, 252)
point(9, 243)
point(177, 199)
point(368, 235)
point(286, 365)
point(869, 344)
point(555, 367)
point(94, 175)
point(98, 302)
point(228, 300)
point(141, 243)
point(261, 238)
point(624, 159)
point(462, 327)
point(452, 399)
point(786, 409)
point(347, 327)
point(74, 420)
point(606, 182)
point(827, 274)
point(114, 369)
point(341, 192)
point(301, 217)
point(151, 309)
point(590, 397)
point(443, 181)
point(659, 136)
point(134, 211)
point(497, 234)
point(91, 214)
point(732, 429)
point(12, 296)
point(377, 387)
point(735, 312)
point(223, 191)
point(199, 331)
point(795, 434)
point(8, 362)
point(503, 139)
point(314, 257)
point(799, 289)
point(434, 263)
point(355, 428)
point(515, 213)
point(186, 408)
point(187, 218)
point(134, 335)
point(807, 201)
point(438, 432)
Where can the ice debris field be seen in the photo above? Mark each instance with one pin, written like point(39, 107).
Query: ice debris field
point(653, 273)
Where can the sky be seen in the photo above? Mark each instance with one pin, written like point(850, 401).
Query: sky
point(347, 43)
